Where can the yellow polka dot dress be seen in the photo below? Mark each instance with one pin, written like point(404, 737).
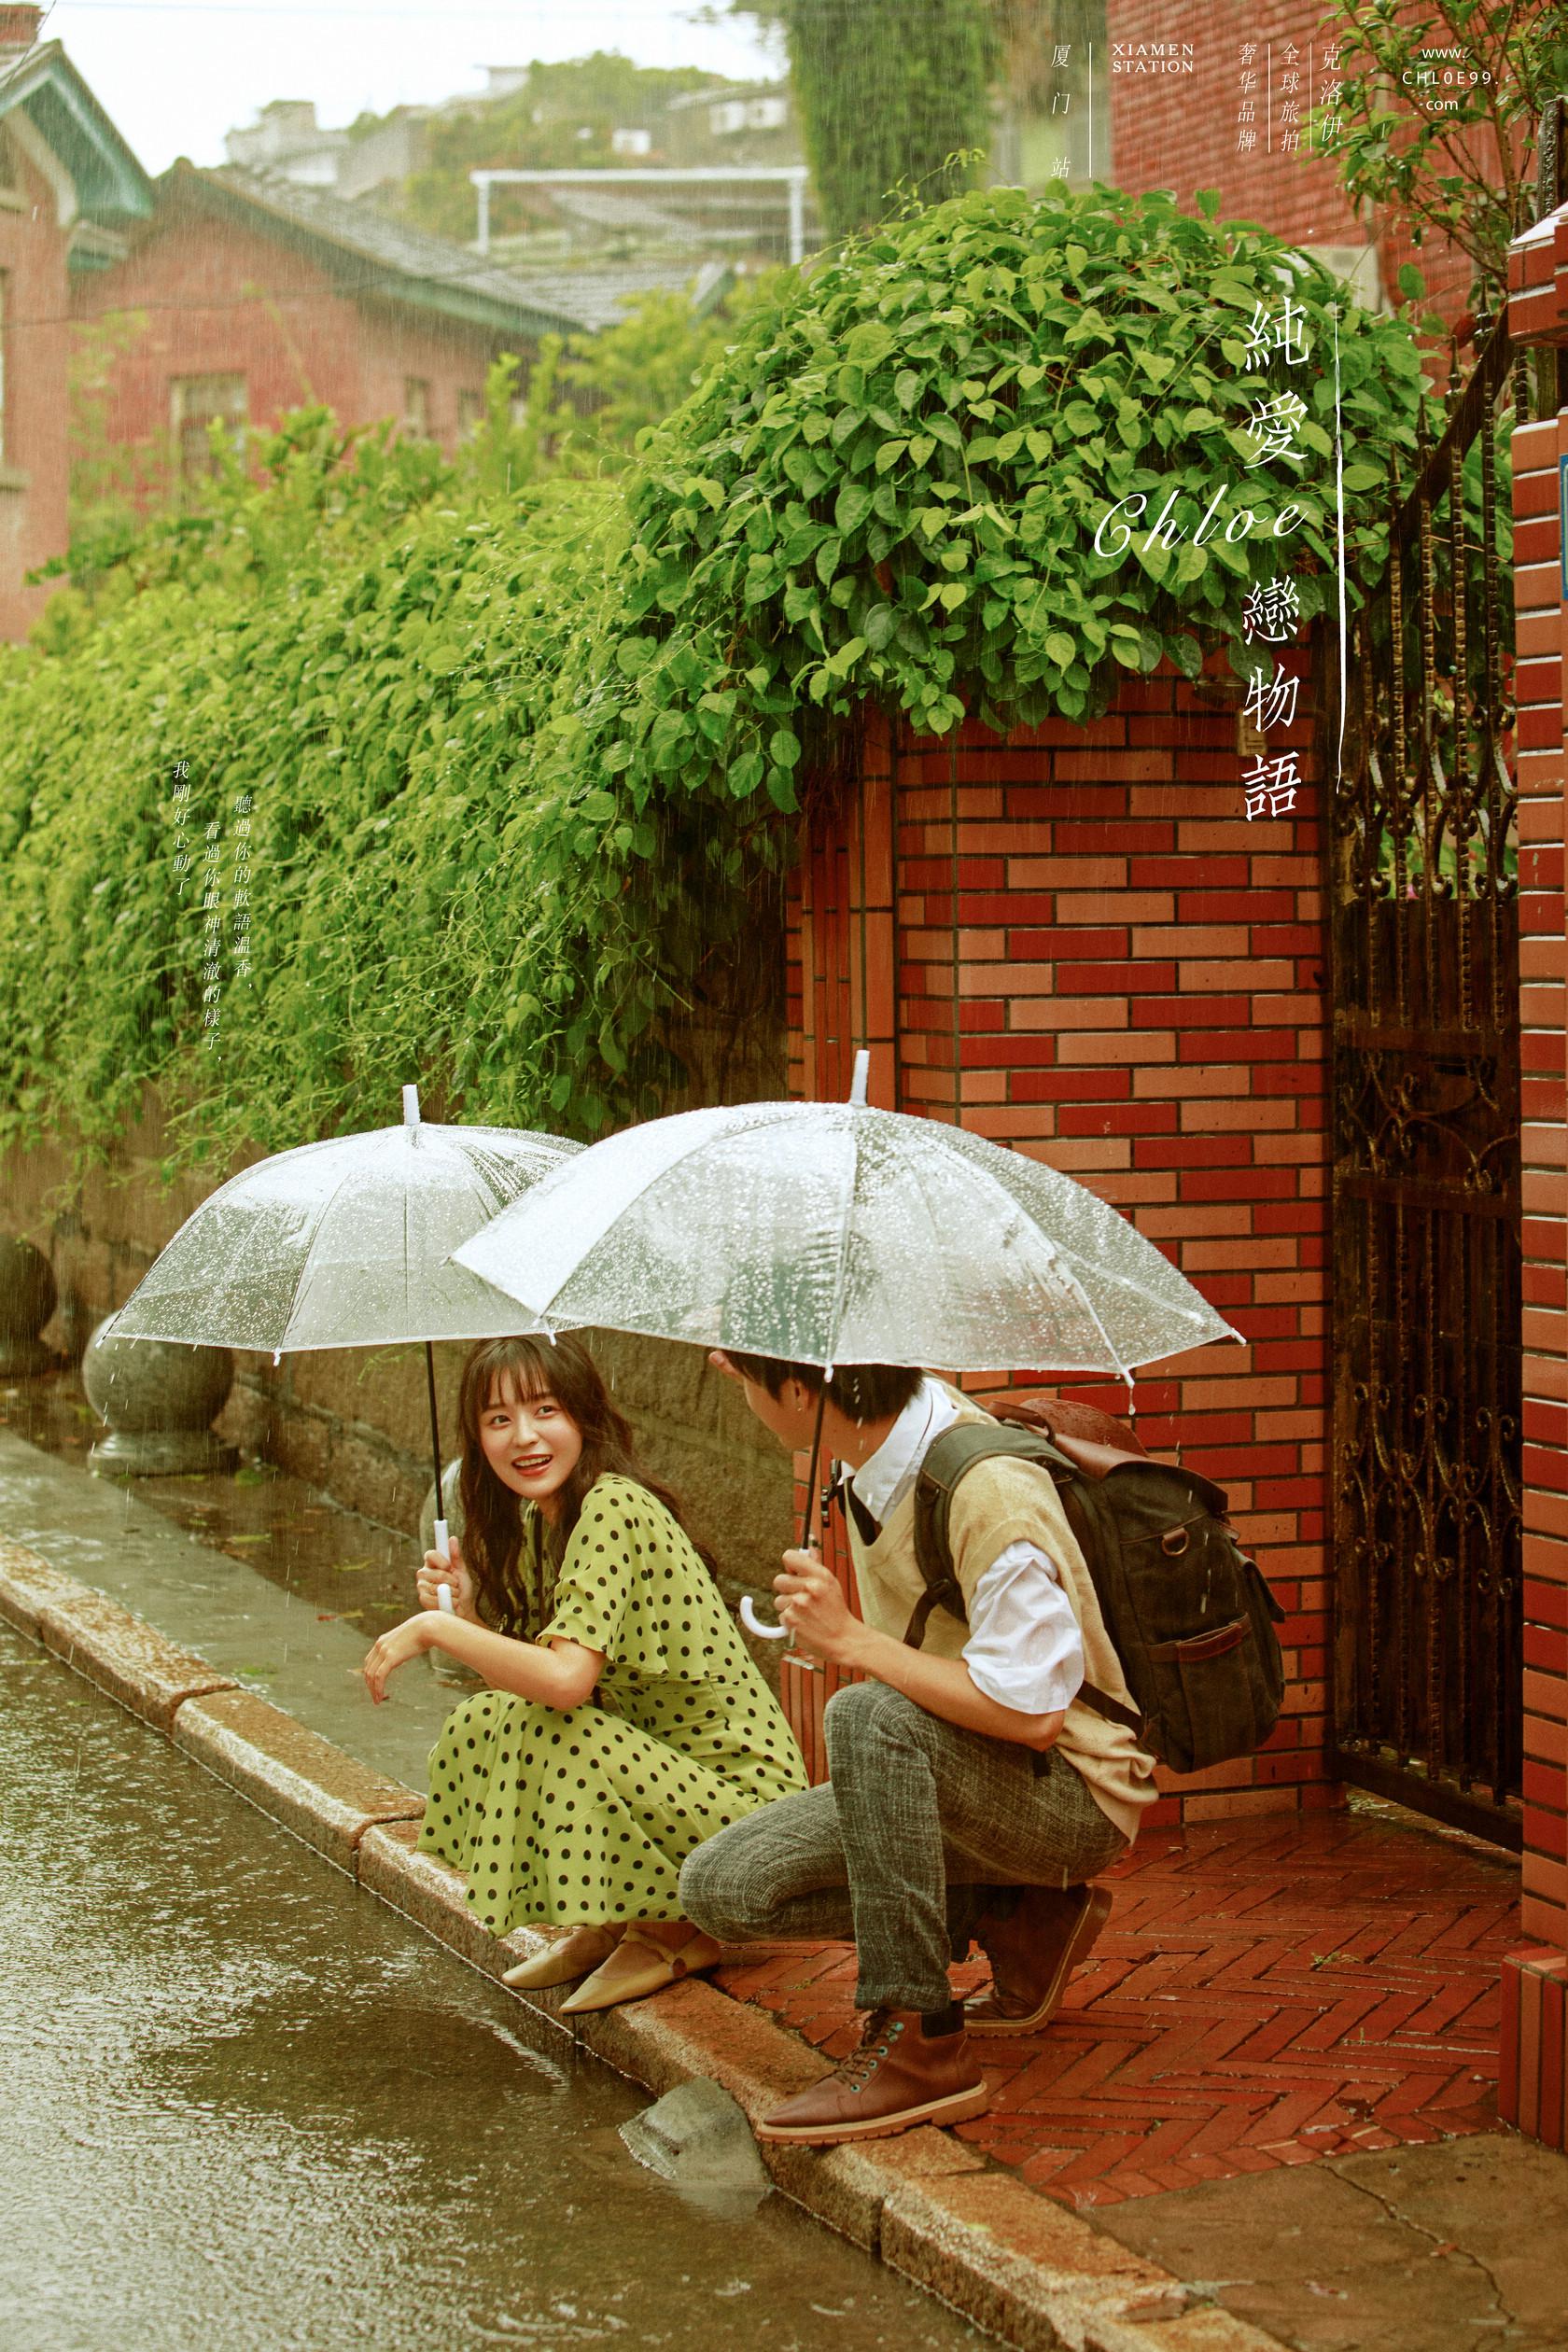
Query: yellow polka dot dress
point(586, 1813)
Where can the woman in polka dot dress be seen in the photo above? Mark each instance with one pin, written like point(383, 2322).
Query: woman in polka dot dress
point(624, 1722)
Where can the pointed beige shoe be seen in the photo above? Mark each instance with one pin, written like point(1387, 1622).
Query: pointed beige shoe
point(641, 1964)
point(572, 1956)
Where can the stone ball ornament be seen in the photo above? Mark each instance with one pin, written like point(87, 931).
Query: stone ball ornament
point(158, 1398)
point(28, 1298)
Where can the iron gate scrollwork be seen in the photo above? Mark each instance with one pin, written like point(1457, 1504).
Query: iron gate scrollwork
point(1425, 943)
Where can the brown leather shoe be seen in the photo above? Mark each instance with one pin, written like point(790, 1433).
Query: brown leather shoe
point(1032, 1955)
point(898, 2077)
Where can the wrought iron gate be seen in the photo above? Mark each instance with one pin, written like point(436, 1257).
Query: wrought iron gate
point(1424, 944)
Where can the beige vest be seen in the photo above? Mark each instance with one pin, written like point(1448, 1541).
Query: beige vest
point(996, 1504)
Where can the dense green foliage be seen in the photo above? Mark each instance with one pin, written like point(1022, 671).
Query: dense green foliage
point(519, 763)
point(889, 97)
point(630, 376)
point(1436, 117)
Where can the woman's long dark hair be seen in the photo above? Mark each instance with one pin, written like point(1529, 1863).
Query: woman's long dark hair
point(492, 1513)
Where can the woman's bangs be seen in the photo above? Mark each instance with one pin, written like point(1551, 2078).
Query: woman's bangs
point(518, 1376)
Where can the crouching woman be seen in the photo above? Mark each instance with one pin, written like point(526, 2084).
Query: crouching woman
point(625, 1721)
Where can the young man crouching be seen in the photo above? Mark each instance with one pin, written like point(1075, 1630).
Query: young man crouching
point(971, 1793)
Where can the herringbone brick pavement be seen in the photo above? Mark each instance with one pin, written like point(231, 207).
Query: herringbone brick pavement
point(1265, 1991)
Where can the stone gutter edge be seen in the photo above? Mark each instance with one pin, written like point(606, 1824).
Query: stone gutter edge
point(936, 2211)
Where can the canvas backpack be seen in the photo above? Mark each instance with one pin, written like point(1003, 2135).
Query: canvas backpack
point(1189, 1614)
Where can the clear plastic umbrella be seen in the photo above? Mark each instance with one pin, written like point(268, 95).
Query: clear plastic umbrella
point(832, 1233)
point(347, 1243)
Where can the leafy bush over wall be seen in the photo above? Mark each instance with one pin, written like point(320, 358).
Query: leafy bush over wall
point(520, 769)
point(367, 664)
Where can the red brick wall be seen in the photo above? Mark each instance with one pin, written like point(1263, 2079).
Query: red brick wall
point(1074, 942)
point(1531, 2081)
point(1180, 131)
point(32, 470)
point(1543, 1055)
point(222, 299)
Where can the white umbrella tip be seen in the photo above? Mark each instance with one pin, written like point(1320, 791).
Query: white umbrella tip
point(410, 1106)
point(861, 1079)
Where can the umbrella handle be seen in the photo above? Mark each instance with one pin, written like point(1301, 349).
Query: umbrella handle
point(443, 1552)
point(753, 1623)
point(810, 1539)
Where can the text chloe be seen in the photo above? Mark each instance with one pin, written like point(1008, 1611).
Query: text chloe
point(1167, 533)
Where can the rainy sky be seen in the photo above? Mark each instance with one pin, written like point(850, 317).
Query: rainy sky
point(175, 75)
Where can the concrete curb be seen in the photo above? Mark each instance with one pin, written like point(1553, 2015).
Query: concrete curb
point(937, 2211)
point(326, 1798)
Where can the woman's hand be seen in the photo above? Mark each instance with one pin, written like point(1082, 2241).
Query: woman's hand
point(811, 1603)
point(437, 1571)
point(408, 1640)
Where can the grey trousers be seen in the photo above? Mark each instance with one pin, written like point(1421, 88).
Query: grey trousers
point(896, 1850)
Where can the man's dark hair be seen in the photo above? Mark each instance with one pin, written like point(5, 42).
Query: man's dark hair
point(861, 1392)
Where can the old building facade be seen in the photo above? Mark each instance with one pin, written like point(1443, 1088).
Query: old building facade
point(70, 191)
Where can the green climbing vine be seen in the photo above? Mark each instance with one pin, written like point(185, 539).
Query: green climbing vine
point(520, 767)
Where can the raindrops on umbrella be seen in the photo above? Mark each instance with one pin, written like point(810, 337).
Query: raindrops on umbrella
point(347, 1243)
point(835, 1233)
point(829, 1233)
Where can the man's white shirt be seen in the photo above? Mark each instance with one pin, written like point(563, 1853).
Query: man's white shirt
point(1023, 1648)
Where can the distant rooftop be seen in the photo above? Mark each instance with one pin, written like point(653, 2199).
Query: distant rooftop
point(601, 296)
point(43, 88)
point(723, 89)
point(435, 272)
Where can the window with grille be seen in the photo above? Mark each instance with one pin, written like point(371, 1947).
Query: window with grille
point(195, 404)
point(9, 178)
point(416, 406)
point(470, 413)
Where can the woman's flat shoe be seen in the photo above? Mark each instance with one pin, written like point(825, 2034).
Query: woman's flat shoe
point(571, 1956)
point(639, 1965)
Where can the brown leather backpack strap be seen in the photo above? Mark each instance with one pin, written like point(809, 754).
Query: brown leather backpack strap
point(1113, 1710)
point(914, 1632)
point(947, 1459)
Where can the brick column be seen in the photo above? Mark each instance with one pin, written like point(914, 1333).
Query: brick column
point(1103, 964)
point(1531, 2093)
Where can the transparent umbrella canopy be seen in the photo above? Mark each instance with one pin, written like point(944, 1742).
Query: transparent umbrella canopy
point(347, 1243)
point(829, 1233)
point(832, 1233)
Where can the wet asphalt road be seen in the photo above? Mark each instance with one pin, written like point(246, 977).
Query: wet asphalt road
point(243, 2108)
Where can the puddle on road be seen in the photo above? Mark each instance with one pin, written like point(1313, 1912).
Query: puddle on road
point(341, 1565)
point(247, 2106)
